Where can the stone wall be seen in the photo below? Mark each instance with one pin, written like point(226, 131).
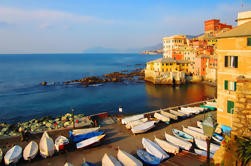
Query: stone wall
point(241, 125)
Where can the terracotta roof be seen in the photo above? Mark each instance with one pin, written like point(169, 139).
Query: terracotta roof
point(239, 31)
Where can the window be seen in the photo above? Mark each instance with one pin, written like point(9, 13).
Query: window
point(226, 84)
point(249, 41)
point(231, 61)
point(230, 107)
point(232, 85)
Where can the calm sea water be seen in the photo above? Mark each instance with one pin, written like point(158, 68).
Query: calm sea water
point(22, 98)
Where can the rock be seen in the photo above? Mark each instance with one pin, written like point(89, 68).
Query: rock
point(44, 83)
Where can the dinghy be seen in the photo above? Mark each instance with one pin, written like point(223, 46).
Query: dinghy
point(144, 127)
point(46, 145)
point(127, 159)
point(81, 137)
point(154, 149)
point(84, 131)
point(179, 114)
point(177, 141)
point(188, 114)
point(68, 164)
point(212, 104)
point(148, 158)
point(162, 117)
point(202, 152)
point(60, 142)
point(199, 130)
point(132, 118)
point(195, 134)
point(136, 123)
point(199, 123)
point(109, 160)
point(190, 110)
point(199, 109)
point(1, 155)
point(208, 107)
point(203, 145)
point(218, 138)
point(167, 146)
point(13, 155)
point(172, 116)
point(182, 135)
point(89, 141)
point(30, 151)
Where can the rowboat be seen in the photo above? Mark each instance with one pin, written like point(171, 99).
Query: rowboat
point(46, 145)
point(162, 117)
point(13, 155)
point(136, 123)
point(188, 114)
point(212, 104)
point(179, 114)
point(199, 123)
point(199, 130)
point(148, 158)
point(199, 109)
point(182, 135)
point(167, 146)
point(203, 145)
point(144, 127)
point(208, 107)
point(217, 138)
point(30, 151)
point(190, 110)
point(195, 134)
point(154, 149)
point(81, 137)
point(84, 131)
point(202, 152)
point(1, 155)
point(68, 164)
point(172, 116)
point(109, 160)
point(132, 118)
point(127, 159)
point(60, 142)
point(177, 141)
point(89, 141)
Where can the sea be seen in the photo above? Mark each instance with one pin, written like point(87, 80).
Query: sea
point(22, 98)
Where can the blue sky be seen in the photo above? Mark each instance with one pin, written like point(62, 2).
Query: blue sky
point(72, 26)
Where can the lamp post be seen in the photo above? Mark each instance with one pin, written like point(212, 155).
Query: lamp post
point(209, 125)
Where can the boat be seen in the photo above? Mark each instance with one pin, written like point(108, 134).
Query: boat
point(190, 110)
point(95, 85)
point(218, 138)
point(199, 123)
point(132, 118)
point(148, 158)
point(60, 142)
point(30, 151)
point(167, 146)
point(182, 135)
point(218, 130)
point(154, 149)
point(202, 144)
point(172, 116)
point(68, 164)
point(212, 104)
point(1, 155)
point(144, 127)
point(109, 160)
point(46, 145)
point(84, 131)
point(127, 159)
point(179, 114)
point(208, 107)
point(81, 137)
point(177, 141)
point(86, 163)
point(162, 117)
point(89, 141)
point(136, 123)
point(202, 152)
point(200, 130)
point(195, 134)
point(13, 155)
point(188, 114)
point(199, 109)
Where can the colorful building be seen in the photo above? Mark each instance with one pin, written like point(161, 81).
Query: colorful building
point(173, 46)
point(215, 25)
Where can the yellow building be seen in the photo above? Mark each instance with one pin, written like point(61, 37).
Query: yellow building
point(234, 62)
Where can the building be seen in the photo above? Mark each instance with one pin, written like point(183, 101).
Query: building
point(234, 66)
point(214, 25)
point(211, 71)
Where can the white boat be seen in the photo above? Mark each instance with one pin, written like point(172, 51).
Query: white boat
point(89, 141)
point(154, 149)
point(199, 124)
point(199, 109)
point(127, 159)
point(188, 114)
point(46, 145)
point(136, 123)
point(84, 131)
point(212, 104)
point(30, 151)
point(68, 164)
point(200, 130)
point(167, 146)
point(177, 141)
point(190, 110)
point(180, 114)
point(132, 118)
point(195, 134)
point(61, 140)
point(162, 117)
point(203, 145)
point(144, 127)
point(109, 160)
point(172, 116)
point(13, 155)
point(202, 152)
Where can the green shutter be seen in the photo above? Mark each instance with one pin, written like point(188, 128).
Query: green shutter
point(234, 86)
point(236, 61)
point(230, 107)
point(226, 84)
point(249, 42)
point(226, 61)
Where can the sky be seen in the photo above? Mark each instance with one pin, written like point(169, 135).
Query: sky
point(74, 26)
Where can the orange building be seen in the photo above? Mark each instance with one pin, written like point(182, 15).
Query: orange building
point(215, 25)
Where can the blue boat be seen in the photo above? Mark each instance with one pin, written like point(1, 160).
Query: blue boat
point(182, 135)
point(81, 137)
point(87, 164)
point(218, 138)
point(148, 158)
point(226, 129)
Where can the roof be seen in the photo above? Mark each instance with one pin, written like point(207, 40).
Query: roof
point(168, 60)
point(175, 36)
point(239, 31)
